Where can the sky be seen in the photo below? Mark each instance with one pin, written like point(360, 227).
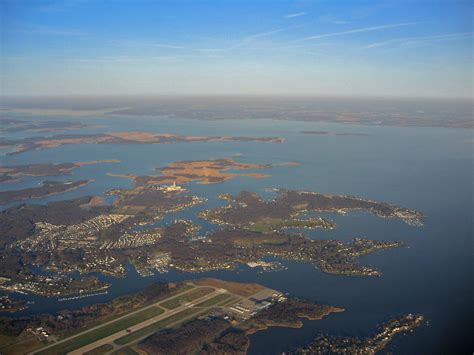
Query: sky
point(406, 48)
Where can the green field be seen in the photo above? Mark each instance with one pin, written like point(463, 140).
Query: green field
point(100, 350)
point(125, 351)
point(219, 299)
point(229, 302)
point(270, 224)
point(183, 288)
point(152, 328)
point(102, 332)
point(188, 297)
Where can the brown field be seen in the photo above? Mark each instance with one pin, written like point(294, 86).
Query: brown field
point(240, 289)
point(201, 171)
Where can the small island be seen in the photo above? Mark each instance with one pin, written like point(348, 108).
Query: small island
point(200, 171)
point(327, 133)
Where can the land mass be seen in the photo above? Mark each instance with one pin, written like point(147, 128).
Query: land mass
point(47, 188)
point(367, 111)
point(203, 316)
point(248, 209)
point(324, 344)
point(13, 125)
point(130, 137)
point(200, 171)
point(14, 173)
point(327, 133)
point(88, 235)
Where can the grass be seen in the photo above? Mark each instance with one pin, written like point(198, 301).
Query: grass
point(270, 224)
point(100, 350)
point(228, 303)
point(125, 351)
point(222, 298)
point(185, 287)
point(102, 332)
point(152, 328)
point(188, 297)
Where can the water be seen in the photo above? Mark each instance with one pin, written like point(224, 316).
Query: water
point(427, 169)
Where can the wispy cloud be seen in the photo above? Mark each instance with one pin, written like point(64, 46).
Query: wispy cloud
point(419, 39)
point(163, 45)
point(332, 20)
point(124, 59)
point(134, 43)
point(248, 40)
point(357, 30)
point(296, 14)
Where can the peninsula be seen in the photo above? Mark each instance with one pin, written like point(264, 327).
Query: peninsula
point(47, 188)
point(324, 344)
point(14, 173)
point(207, 315)
point(248, 209)
point(128, 137)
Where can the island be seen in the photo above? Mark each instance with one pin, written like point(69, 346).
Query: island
point(129, 137)
point(200, 171)
point(327, 133)
point(324, 344)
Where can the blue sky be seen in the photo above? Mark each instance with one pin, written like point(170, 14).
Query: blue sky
point(350, 48)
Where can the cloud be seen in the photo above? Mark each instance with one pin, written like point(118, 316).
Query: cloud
point(162, 45)
point(420, 39)
point(133, 43)
point(249, 39)
point(357, 30)
point(124, 59)
point(296, 14)
point(332, 20)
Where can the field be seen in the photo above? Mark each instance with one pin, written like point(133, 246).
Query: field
point(218, 300)
point(188, 297)
point(125, 351)
point(241, 289)
point(125, 331)
point(266, 225)
point(102, 332)
point(100, 350)
point(159, 325)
